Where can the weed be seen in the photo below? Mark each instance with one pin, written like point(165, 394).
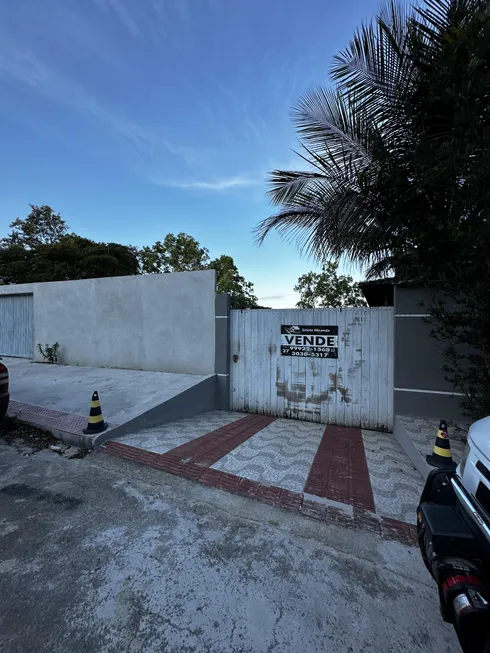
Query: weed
point(50, 353)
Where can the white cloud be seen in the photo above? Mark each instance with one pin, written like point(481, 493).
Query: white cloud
point(160, 159)
point(149, 147)
point(147, 18)
point(287, 300)
point(123, 14)
point(218, 184)
point(270, 297)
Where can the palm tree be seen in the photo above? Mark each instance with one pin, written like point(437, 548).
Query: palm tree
point(397, 151)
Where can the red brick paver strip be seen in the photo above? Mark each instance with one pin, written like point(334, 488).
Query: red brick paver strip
point(209, 448)
point(48, 418)
point(389, 529)
point(339, 471)
point(398, 530)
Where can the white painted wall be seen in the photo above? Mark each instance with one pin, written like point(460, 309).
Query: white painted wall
point(163, 322)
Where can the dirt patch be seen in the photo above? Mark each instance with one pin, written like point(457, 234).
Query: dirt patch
point(12, 429)
point(29, 439)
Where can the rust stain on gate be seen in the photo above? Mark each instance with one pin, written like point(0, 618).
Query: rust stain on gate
point(336, 384)
point(297, 393)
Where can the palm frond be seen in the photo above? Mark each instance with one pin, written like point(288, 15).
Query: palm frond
point(441, 15)
point(380, 145)
point(376, 64)
point(287, 185)
point(331, 127)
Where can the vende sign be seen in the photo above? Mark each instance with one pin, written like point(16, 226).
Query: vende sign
point(311, 341)
point(317, 341)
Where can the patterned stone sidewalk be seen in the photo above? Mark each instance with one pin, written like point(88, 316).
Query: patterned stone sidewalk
point(164, 438)
point(422, 432)
point(395, 482)
point(281, 454)
point(360, 479)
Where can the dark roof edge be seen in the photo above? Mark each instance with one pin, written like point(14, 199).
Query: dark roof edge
point(391, 281)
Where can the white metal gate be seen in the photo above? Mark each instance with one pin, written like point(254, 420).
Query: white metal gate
point(356, 389)
point(16, 330)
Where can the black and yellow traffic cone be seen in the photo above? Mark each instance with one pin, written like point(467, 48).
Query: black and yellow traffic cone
point(441, 454)
point(96, 422)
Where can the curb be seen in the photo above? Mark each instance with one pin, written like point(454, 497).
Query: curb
point(350, 516)
point(409, 448)
point(56, 423)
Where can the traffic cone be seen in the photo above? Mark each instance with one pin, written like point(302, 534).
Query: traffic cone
point(96, 422)
point(441, 454)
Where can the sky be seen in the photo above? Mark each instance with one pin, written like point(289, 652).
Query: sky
point(136, 118)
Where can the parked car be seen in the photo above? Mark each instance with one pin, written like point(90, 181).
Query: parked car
point(4, 390)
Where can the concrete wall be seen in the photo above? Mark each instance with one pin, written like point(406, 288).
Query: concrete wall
point(223, 352)
point(163, 322)
point(420, 389)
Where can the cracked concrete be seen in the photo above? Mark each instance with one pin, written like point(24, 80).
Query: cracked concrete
point(101, 555)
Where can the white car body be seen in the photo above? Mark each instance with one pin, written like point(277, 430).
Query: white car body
point(475, 465)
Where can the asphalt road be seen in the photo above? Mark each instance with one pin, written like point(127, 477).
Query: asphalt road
point(99, 555)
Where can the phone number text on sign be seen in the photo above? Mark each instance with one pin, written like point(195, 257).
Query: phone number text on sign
point(310, 341)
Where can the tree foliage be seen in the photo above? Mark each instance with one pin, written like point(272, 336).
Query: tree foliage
point(229, 280)
point(398, 167)
point(328, 289)
point(181, 253)
point(40, 248)
point(41, 227)
point(398, 151)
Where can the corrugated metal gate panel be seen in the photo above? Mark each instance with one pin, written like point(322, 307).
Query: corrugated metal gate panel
point(16, 325)
point(354, 390)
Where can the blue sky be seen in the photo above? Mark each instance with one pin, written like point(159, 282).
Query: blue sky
point(135, 118)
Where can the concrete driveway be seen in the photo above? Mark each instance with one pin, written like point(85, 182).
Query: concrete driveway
point(125, 394)
point(57, 397)
point(100, 555)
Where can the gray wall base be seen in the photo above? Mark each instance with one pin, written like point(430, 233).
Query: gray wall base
point(409, 448)
point(432, 406)
point(201, 398)
point(223, 393)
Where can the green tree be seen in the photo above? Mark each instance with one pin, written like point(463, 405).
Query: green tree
point(71, 258)
point(229, 280)
point(40, 249)
point(328, 289)
point(398, 167)
point(181, 253)
point(41, 227)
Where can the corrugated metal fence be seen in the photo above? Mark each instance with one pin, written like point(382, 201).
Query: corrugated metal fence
point(16, 330)
point(356, 389)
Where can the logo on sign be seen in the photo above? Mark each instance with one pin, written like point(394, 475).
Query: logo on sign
point(310, 341)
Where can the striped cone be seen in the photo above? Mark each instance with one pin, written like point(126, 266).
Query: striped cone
point(441, 454)
point(96, 422)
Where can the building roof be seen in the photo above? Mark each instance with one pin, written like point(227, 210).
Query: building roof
point(379, 292)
